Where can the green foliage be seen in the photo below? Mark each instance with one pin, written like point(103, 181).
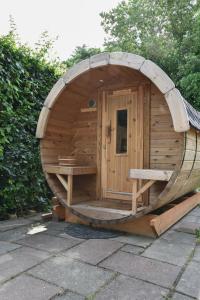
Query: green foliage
point(25, 80)
point(165, 31)
point(197, 233)
point(81, 53)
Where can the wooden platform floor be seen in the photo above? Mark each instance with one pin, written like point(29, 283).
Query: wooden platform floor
point(104, 209)
point(153, 224)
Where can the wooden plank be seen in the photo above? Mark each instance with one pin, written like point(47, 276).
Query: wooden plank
point(178, 110)
point(86, 207)
point(42, 122)
point(161, 175)
point(88, 109)
point(157, 76)
point(64, 170)
point(166, 220)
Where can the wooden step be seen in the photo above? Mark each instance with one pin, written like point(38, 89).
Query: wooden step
point(102, 213)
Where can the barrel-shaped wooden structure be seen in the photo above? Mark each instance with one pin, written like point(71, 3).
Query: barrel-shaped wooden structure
point(120, 116)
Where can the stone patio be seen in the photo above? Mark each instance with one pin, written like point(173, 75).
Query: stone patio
point(40, 261)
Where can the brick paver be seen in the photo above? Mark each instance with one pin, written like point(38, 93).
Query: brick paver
point(19, 260)
point(178, 296)
point(52, 265)
point(93, 251)
point(126, 288)
point(73, 275)
point(170, 252)
point(179, 237)
point(25, 287)
point(189, 283)
point(48, 243)
point(143, 268)
point(136, 240)
point(6, 247)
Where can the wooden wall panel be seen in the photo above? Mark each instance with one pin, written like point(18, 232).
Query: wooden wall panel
point(166, 145)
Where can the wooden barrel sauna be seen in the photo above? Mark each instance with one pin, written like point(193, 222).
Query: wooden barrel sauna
point(133, 141)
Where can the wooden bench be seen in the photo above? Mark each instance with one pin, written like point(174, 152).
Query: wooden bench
point(68, 171)
point(145, 174)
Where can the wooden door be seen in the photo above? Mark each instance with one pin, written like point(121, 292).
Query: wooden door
point(122, 141)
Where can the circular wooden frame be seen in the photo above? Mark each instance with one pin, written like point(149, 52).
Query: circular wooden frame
point(149, 69)
point(177, 109)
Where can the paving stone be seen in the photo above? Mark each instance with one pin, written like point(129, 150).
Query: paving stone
point(197, 254)
point(6, 247)
point(48, 243)
point(67, 236)
point(195, 212)
point(69, 296)
point(19, 260)
point(132, 249)
point(57, 225)
point(93, 251)
point(142, 268)
point(76, 276)
point(189, 283)
point(174, 253)
point(14, 234)
point(27, 288)
point(11, 224)
point(127, 288)
point(190, 218)
point(178, 296)
point(179, 237)
point(134, 240)
point(188, 227)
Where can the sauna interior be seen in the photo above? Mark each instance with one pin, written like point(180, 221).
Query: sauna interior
point(112, 119)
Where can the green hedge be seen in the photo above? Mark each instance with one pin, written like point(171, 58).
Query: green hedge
point(25, 80)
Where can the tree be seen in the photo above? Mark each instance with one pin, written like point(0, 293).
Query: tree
point(81, 53)
point(165, 31)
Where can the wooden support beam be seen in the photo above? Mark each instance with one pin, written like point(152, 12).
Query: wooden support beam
point(136, 194)
point(164, 221)
point(68, 185)
point(63, 181)
point(145, 187)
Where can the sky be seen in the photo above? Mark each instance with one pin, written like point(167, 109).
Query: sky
point(75, 22)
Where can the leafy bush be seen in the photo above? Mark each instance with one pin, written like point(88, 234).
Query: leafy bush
point(25, 80)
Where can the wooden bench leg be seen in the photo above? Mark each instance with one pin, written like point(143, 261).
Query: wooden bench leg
point(136, 194)
point(134, 199)
point(68, 185)
point(70, 189)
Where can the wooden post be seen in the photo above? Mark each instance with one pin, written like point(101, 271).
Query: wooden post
point(70, 188)
point(134, 199)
